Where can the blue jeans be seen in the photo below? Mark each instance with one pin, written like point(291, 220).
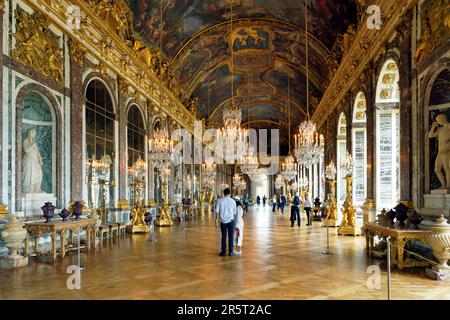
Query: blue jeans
point(227, 227)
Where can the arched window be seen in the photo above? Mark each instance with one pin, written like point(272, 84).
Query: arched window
point(388, 137)
point(341, 152)
point(135, 135)
point(100, 119)
point(359, 146)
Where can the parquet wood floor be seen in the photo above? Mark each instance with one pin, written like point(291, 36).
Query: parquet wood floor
point(279, 262)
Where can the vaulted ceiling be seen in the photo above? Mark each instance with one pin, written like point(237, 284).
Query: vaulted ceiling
point(268, 42)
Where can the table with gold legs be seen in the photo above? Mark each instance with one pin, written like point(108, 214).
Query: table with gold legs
point(61, 228)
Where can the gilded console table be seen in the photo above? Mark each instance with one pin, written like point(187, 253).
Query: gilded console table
point(53, 228)
point(399, 238)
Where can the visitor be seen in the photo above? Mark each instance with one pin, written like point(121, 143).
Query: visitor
point(245, 201)
point(308, 206)
point(274, 203)
point(283, 203)
point(258, 200)
point(226, 208)
point(295, 210)
point(216, 215)
point(264, 200)
point(239, 227)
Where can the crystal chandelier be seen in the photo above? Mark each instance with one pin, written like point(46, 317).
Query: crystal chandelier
point(279, 182)
point(232, 138)
point(289, 168)
point(305, 141)
point(242, 185)
point(293, 186)
point(303, 182)
point(160, 147)
point(138, 169)
point(330, 171)
point(347, 164)
point(236, 180)
point(257, 176)
point(249, 164)
point(187, 182)
point(209, 173)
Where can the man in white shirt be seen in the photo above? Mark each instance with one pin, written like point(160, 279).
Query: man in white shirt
point(226, 208)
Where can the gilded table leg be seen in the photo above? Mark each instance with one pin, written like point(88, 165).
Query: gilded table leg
point(367, 242)
point(36, 245)
point(53, 254)
point(26, 248)
point(63, 243)
point(393, 244)
point(400, 251)
point(371, 236)
point(88, 237)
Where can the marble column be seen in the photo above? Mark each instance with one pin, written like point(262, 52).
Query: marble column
point(77, 100)
point(370, 133)
point(123, 161)
point(405, 85)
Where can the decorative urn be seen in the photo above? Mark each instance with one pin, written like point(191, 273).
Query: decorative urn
point(415, 219)
point(64, 214)
point(77, 209)
point(401, 213)
point(49, 211)
point(382, 218)
point(14, 234)
point(440, 242)
point(391, 215)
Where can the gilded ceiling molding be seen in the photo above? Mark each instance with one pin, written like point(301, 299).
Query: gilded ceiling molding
point(36, 45)
point(107, 44)
point(356, 59)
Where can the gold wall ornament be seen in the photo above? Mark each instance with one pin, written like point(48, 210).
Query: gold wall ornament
point(388, 78)
point(117, 14)
point(123, 87)
point(361, 115)
point(143, 52)
point(386, 94)
point(77, 52)
point(36, 45)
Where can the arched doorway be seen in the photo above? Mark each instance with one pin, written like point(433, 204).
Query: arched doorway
point(100, 143)
point(387, 137)
point(341, 152)
point(359, 152)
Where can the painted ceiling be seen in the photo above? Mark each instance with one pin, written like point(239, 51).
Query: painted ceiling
point(268, 43)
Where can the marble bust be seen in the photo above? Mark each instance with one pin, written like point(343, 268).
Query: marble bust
point(440, 129)
point(31, 164)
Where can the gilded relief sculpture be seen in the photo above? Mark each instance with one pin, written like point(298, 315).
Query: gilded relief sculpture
point(440, 129)
point(36, 45)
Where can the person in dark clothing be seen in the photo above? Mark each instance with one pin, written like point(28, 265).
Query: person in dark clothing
point(264, 200)
point(274, 203)
point(295, 210)
point(258, 200)
point(283, 203)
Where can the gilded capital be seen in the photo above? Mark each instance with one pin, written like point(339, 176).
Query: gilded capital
point(77, 52)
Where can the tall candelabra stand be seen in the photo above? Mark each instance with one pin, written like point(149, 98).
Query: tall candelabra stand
point(165, 219)
point(331, 219)
point(348, 224)
point(99, 171)
point(137, 175)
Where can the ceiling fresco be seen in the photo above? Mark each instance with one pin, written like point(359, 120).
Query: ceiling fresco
point(268, 43)
point(182, 19)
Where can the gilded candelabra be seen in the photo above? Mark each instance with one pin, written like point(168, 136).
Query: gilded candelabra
point(331, 219)
point(348, 224)
point(138, 224)
point(201, 201)
point(165, 220)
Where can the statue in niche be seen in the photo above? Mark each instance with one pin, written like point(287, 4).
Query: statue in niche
point(440, 129)
point(31, 164)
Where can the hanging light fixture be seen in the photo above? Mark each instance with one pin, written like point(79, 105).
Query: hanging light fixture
point(236, 180)
point(209, 172)
point(279, 182)
point(160, 145)
point(232, 138)
point(289, 168)
point(347, 164)
point(307, 139)
point(160, 148)
point(330, 171)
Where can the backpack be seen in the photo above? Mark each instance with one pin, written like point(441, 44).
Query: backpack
point(296, 201)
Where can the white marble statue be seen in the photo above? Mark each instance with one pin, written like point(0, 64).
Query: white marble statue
point(441, 130)
point(31, 164)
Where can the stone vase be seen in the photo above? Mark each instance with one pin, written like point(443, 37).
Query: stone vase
point(440, 242)
point(14, 235)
